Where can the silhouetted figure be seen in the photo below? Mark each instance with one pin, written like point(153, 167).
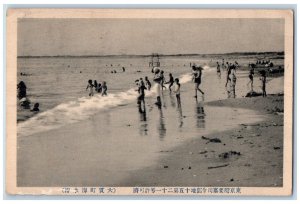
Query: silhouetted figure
point(21, 90)
point(171, 81)
point(148, 83)
point(36, 107)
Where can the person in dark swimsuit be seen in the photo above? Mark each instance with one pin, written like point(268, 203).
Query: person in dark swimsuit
point(251, 75)
point(171, 81)
point(218, 70)
point(197, 73)
point(21, 90)
point(148, 83)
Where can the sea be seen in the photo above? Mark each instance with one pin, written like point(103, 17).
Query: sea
point(59, 84)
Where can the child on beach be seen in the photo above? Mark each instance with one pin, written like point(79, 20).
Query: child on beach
point(157, 79)
point(170, 82)
point(197, 73)
point(90, 86)
point(177, 91)
point(263, 79)
point(104, 89)
point(148, 84)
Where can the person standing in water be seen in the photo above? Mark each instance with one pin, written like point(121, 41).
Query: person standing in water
point(148, 84)
point(157, 80)
point(96, 85)
point(218, 70)
point(90, 86)
point(228, 71)
point(233, 81)
point(141, 97)
point(104, 89)
point(197, 74)
point(177, 91)
point(162, 80)
point(99, 90)
point(170, 82)
point(263, 79)
point(251, 75)
point(21, 90)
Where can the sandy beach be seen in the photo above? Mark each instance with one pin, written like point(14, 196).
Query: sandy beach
point(250, 155)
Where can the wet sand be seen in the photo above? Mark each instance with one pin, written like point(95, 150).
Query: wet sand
point(254, 153)
point(123, 147)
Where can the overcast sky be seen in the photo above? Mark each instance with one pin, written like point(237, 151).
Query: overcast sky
point(145, 36)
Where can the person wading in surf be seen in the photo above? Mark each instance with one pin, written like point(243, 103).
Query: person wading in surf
point(197, 73)
point(157, 80)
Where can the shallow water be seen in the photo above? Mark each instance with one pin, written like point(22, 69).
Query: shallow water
point(58, 84)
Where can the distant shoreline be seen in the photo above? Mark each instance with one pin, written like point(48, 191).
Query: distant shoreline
point(160, 55)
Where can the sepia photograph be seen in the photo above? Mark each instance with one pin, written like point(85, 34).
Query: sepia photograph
point(149, 102)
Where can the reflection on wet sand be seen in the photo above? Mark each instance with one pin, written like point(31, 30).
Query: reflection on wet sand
point(200, 115)
point(180, 117)
point(172, 100)
point(143, 120)
point(161, 126)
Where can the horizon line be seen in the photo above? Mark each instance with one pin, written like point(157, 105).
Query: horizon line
point(149, 55)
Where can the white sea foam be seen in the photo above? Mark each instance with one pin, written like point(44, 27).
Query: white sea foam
point(80, 109)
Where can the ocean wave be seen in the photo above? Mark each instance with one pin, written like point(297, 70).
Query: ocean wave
point(80, 109)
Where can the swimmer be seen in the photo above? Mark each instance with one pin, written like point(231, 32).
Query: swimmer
point(90, 86)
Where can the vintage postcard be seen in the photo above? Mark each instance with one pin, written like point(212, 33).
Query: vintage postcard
point(149, 102)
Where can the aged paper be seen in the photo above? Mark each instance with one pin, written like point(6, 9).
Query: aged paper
point(119, 135)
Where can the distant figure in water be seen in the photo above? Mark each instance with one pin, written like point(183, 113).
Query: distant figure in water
point(148, 84)
point(263, 79)
point(157, 79)
point(90, 86)
point(25, 103)
point(123, 68)
point(162, 80)
point(177, 91)
point(218, 70)
point(170, 82)
point(104, 89)
point(96, 86)
point(21, 90)
point(251, 75)
point(228, 71)
point(99, 90)
point(233, 82)
point(197, 74)
point(36, 107)
point(236, 64)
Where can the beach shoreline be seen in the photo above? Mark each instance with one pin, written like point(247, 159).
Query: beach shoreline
point(250, 155)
